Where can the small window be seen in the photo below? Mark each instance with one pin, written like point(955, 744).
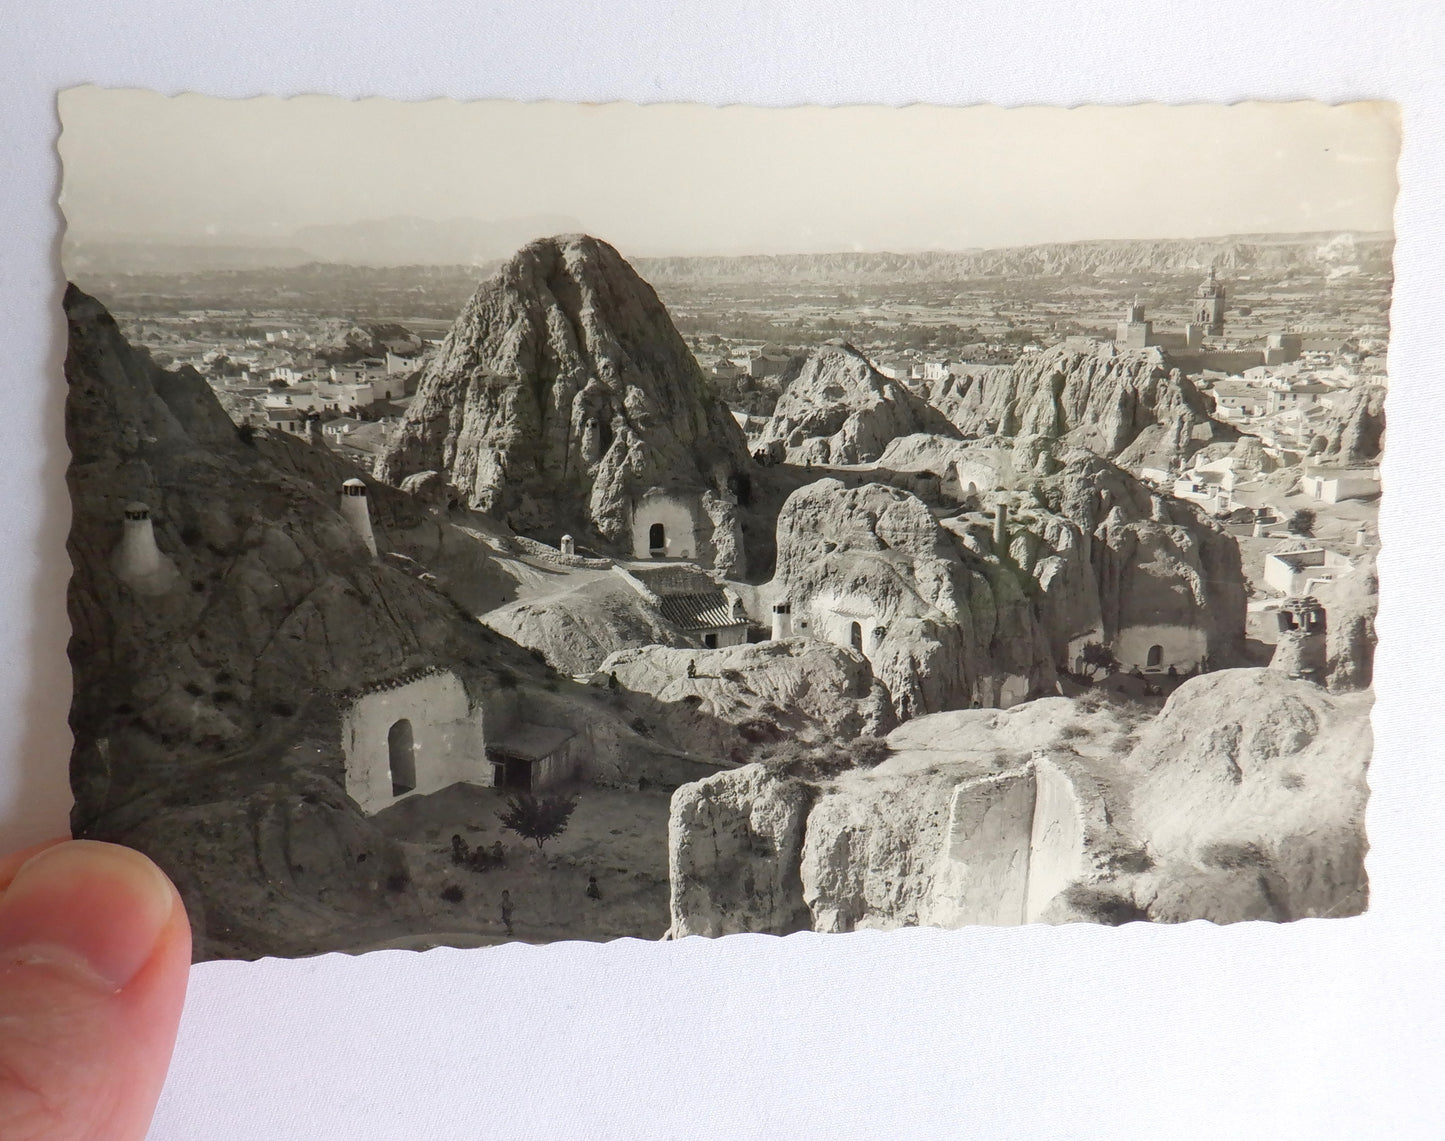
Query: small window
point(1155, 659)
point(657, 539)
point(855, 635)
point(710, 641)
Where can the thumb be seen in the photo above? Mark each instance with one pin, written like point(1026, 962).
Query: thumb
point(94, 951)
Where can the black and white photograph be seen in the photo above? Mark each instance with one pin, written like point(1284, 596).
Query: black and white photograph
point(505, 521)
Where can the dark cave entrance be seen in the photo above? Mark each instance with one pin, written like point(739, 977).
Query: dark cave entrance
point(401, 757)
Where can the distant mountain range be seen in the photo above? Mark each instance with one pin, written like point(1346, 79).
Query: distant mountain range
point(1234, 254)
point(469, 242)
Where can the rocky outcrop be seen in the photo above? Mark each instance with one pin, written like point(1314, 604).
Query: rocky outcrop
point(733, 851)
point(576, 630)
point(1158, 561)
point(1127, 405)
point(872, 568)
point(1242, 799)
point(206, 715)
point(1350, 605)
point(562, 394)
point(839, 409)
point(1356, 434)
point(949, 617)
point(1251, 797)
point(741, 697)
point(375, 339)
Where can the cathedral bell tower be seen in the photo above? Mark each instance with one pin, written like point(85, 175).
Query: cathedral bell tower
point(1209, 305)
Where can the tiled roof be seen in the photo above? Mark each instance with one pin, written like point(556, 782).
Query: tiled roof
point(698, 611)
point(674, 579)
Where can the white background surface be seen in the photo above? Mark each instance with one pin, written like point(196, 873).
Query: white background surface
point(1316, 1029)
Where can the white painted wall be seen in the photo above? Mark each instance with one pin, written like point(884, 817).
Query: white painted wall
point(1335, 488)
point(679, 517)
point(1184, 647)
point(726, 635)
point(447, 738)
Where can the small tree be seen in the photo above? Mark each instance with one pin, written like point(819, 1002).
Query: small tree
point(537, 818)
point(1302, 522)
point(1098, 659)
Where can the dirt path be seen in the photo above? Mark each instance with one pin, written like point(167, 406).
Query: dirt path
point(619, 836)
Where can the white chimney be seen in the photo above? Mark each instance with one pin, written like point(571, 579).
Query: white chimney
point(355, 510)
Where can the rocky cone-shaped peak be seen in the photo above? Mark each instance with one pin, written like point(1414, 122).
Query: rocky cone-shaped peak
point(839, 409)
point(562, 393)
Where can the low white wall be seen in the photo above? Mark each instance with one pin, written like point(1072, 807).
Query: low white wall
point(447, 738)
point(1348, 487)
point(728, 636)
point(1184, 647)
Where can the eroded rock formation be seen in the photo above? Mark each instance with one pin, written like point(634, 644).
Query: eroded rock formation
point(839, 409)
point(562, 394)
point(1357, 433)
point(1242, 799)
point(741, 697)
point(950, 611)
point(1127, 405)
point(207, 715)
point(1351, 603)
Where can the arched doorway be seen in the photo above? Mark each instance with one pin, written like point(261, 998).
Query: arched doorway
point(401, 757)
point(1155, 658)
point(657, 540)
point(855, 635)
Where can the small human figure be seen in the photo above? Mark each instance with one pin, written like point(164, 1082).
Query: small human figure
point(499, 857)
point(1173, 673)
point(593, 891)
point(612, 683)
point(459, 850)
point(692, 667)
point(507, 911)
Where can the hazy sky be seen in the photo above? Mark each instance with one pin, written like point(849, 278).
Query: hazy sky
point(683, 179)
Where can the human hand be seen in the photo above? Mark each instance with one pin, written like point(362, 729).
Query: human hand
point(94, 954)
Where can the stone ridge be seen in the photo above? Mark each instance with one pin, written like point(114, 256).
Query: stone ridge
point(1126, 404)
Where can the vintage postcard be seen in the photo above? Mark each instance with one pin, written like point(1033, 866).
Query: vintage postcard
point(505, 521)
